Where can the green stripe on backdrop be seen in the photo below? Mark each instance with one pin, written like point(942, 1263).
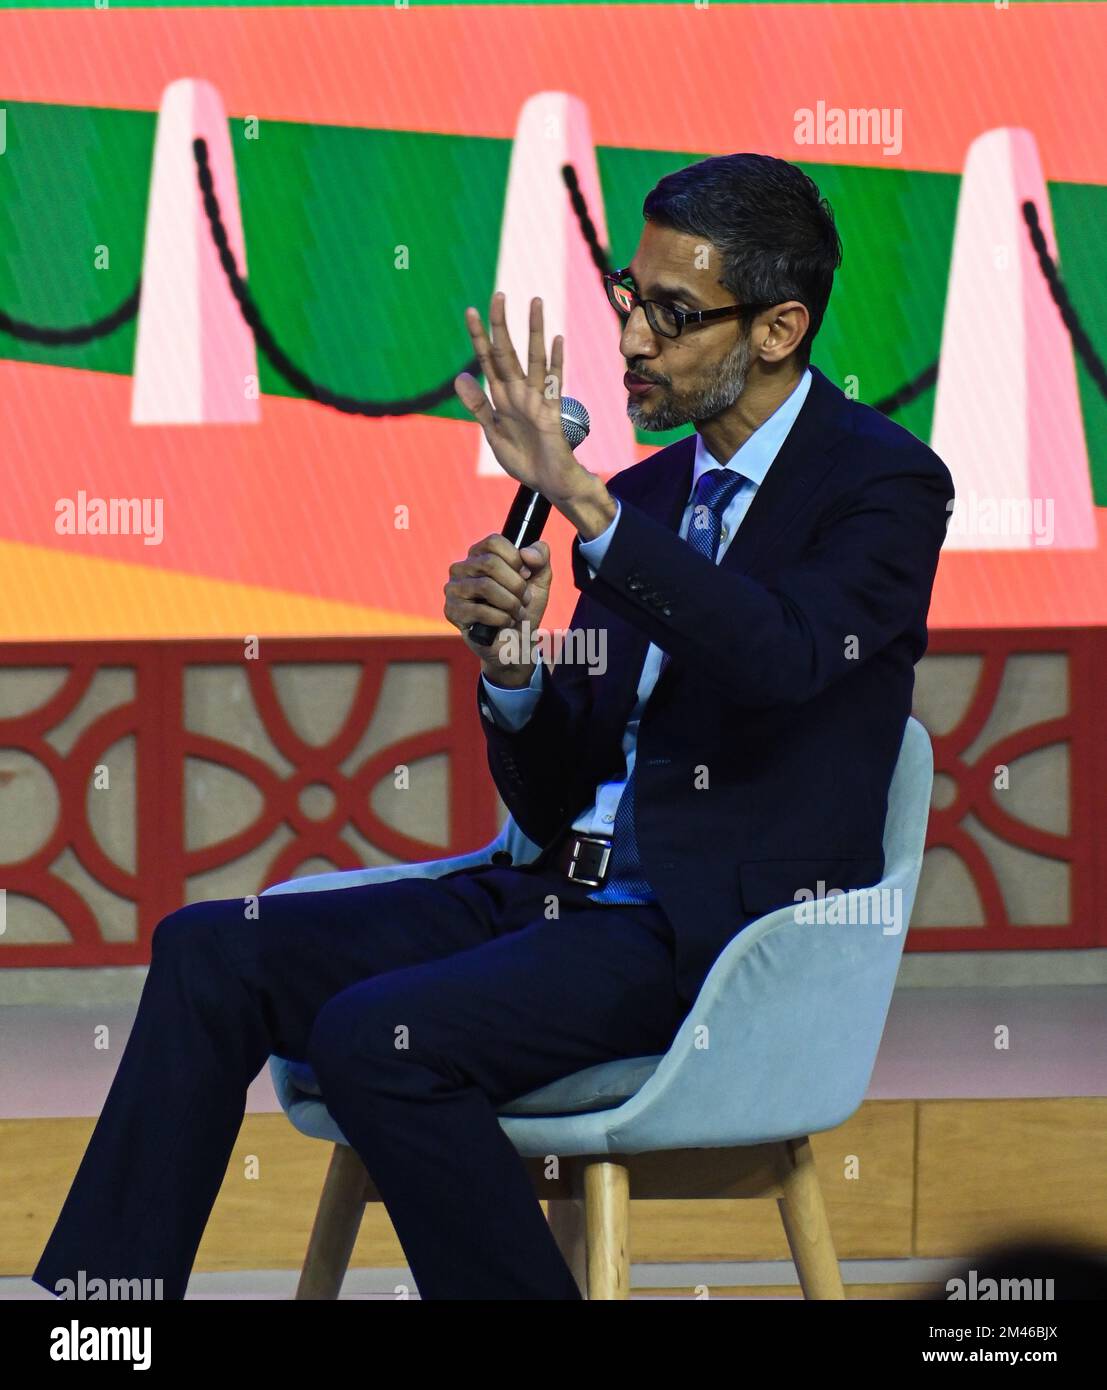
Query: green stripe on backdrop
point(325, 207)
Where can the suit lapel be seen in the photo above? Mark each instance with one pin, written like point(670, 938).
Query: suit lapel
point(664, 498)
point(799, 467)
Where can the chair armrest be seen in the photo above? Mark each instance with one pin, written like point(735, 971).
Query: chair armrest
point(510, 838)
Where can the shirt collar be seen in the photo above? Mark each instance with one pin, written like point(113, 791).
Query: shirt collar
point(753, 458)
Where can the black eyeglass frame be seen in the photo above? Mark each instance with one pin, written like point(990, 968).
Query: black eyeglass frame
point(611, 278)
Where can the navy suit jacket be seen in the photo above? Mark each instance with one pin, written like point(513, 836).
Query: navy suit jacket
point(767, 747)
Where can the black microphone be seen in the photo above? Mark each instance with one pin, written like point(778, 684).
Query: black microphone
point(530, 509)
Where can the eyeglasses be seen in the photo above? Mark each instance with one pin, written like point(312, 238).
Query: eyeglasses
point(665, 319)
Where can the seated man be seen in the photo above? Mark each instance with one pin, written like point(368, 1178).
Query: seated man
point(760, 588)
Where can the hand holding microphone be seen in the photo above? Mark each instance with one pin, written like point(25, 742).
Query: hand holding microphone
point(532, 431)
point(496, 587)
point(530, 509)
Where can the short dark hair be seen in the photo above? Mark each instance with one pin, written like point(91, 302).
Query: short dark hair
point(775, 231)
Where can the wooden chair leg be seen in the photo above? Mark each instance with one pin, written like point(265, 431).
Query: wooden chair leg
point(804, 1215)
point(566, 1216)
point(607, 1222)
point(337, 1220)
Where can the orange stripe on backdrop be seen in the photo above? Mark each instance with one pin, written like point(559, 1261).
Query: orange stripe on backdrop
point(302, 505)
point(289, 527)
point(725, 77)
point(75, 597)
point(1022, 588)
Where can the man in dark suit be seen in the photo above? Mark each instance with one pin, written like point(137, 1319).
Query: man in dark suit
point(779, 668)
point(761, 589)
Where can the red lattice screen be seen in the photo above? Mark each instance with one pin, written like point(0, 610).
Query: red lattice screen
point(155, 718)
point(163, 864)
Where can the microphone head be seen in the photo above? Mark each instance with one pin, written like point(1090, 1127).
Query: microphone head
point(574, 421)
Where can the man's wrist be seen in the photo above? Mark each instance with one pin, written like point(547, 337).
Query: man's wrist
point(508, 677)
point(590, 507)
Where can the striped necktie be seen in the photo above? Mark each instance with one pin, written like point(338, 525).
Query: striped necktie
point(625, 882)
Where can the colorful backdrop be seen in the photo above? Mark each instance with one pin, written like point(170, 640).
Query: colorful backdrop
point(377, 168)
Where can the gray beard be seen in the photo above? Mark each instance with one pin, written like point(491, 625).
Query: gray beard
point(719, 395)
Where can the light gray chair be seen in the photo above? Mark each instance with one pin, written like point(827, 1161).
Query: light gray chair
point(779, 1044)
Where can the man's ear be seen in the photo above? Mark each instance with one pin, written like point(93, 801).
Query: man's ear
point(787, 324)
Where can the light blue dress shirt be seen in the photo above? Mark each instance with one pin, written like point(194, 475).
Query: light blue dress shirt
point(512, 708)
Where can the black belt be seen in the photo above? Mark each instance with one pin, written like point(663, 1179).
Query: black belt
point(583, 858)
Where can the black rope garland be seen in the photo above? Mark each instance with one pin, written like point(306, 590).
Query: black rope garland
point(1080, 340)
point(352, 405)
point(426, 400)
point(84, 333)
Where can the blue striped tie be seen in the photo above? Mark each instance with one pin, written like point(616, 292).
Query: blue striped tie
point(625, 882)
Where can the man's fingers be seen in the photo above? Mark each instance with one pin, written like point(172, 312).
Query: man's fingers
point(497, 575)
point(482, 349)
point(499, 545)
point(534, 557)
point(465, 613)
point(536, 348)
point(503, 351)
point(473, 398)
point(480, 339)
point(537, 556)
point(496, 585)
point(557, 361)
point(482, 588)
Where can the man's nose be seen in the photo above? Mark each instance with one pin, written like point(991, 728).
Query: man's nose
point(638, 339)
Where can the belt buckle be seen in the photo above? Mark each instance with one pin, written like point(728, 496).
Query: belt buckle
point(580, 878)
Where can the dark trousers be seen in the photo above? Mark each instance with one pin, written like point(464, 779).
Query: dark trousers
point(422, 1005)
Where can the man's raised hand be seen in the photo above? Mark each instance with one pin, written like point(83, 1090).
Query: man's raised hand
point(522, 421)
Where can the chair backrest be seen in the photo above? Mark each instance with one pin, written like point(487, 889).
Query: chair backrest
point(909, 809)
point(782, 1039)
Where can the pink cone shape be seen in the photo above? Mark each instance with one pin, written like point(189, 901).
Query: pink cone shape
point(195, 361)
point(1007, 416)
point(543, 253)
